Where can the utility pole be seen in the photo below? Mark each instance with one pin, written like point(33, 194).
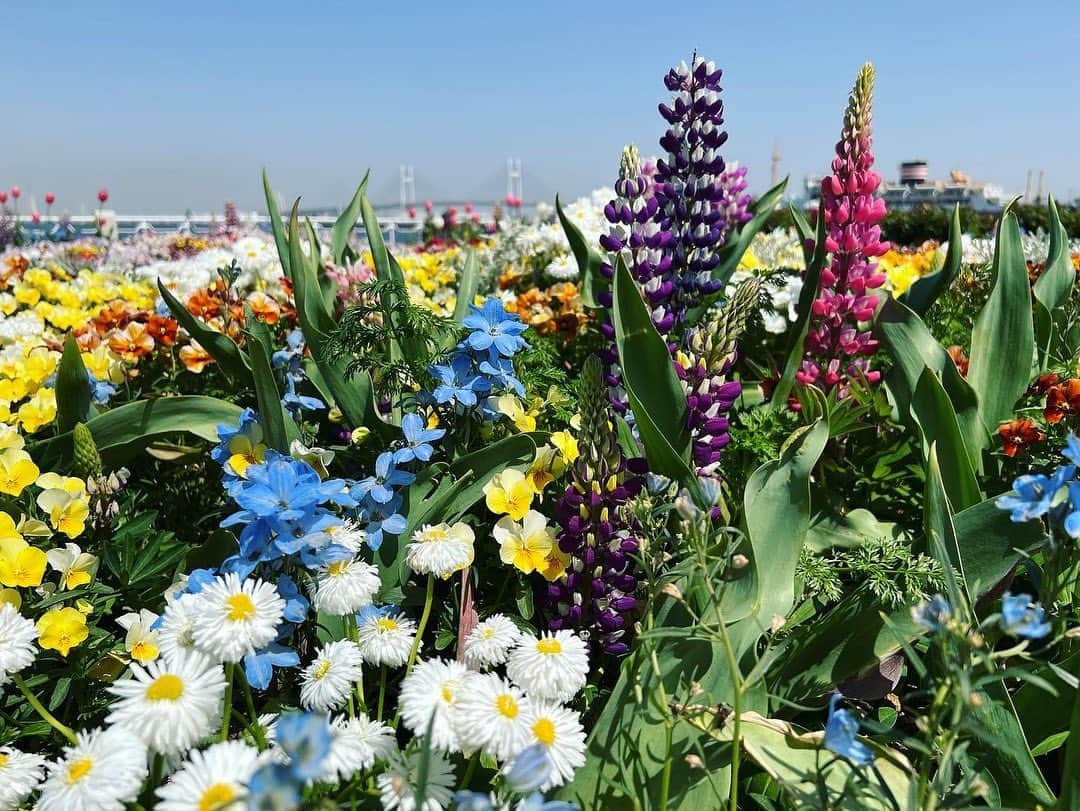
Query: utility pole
point(407, 185)
point(1027, 188)
point(514, 182)
point(1039, 196)
point(775, 173)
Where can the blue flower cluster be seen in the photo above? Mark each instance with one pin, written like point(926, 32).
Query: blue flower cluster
point(1021, 616)
point(841, 735)
point(1056, 496)
point(524, 776)
point(290, 360)
point(305, 738)
point(483, 362)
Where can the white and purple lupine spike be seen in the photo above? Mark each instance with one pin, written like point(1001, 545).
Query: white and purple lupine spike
point(734, 203)
point(839, 343)
point(686, 180)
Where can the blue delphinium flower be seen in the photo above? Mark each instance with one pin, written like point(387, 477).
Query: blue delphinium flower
point(296, 604)
point(458, 382)
point(291, 356)
point(529, 770)
point(933, 614)
point(494, 327)
point(841, 731)
point(1035, 493)
point(259, 666)
point(500, 372)
point(416, 439)
point(1071, 451)
point(274, 788)
point(474, 801)
point(296, 403)
point(305, 738)
point(1020, 616)
point(1072, 517)
point(101, 391)
point(380, 487)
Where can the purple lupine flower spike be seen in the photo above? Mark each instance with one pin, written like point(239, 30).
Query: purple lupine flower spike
point(597, 595)
point(734, 203)
point(839, 343)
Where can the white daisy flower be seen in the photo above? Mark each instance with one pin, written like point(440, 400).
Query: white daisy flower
point(171, 704)
point(235, 618)
point(385, 635)
point(345, 586)
point(348, 534)
point(102, 771)
point(141, 640)
point(355, 745)
point(490, 717)
point(17, 635)
point(396, 784)
point(553, 667)
point(20, 773)
point(490, 642)
point(433, 689)
point(176, 635)
point(563, 267)
point(440, 549)
point(560, 732)
point(328, 680)
point(213, 778)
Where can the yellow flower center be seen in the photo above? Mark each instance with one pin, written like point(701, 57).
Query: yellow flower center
point(241, 607)
point(447, 696)
point(549, 645)
point(165, 688)
point(217, 796)
point(385, 624)
point(79, 769)
point(338, 568)
point(507, 705)
point(544, 731)
point(322, 669)
point(488, 633)
point(3, 760)
point(433, 534)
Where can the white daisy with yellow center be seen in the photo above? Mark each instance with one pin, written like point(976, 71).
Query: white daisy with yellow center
point(326, 683)
point(559, 731)
point(20, 773)
point(104, 769)
point(553, 667)
point(343, 587)
point(490, 642)
point(176, 635)
point(440, 549)
point(429, 697)
point(171, 704)
point(491, 717)
point(356, 744)
point(385, 636)
point(17, 635)
point(397, 785)
point(213, 779)
point(235, 618)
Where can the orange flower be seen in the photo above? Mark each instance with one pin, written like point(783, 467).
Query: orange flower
point(163, 329)
point(87, 339)
point(957, 354)
point(265, 308)
point(1018, 435)
point(195, 358)
point(114, 315)
point(132, 342)
point(1062, 401)
point(1045, 383)
point(205, 303)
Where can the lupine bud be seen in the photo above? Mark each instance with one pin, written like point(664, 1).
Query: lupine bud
point(86, 459)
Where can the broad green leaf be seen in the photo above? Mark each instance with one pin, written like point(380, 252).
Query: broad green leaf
point(467, 286)
point(1044, 715)
point(1052, 289)
point(794, 759)
point(941, 536)
point(738, 242)
point(277, 226)
point(268, 396)
point(229, 357)
point(654, 390)
point(848, 531)
point(1002, 341)
point(938, 424)
point(1070, 772)
point(925, 291)
point(989, 544)
point(588, 260)
point(72, 388)
point(343, 226)
point(805, 232)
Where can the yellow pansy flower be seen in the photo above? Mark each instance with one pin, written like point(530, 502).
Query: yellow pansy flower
point(525, 546)
point(17, 471)
point(76, 567)
point(38, 411)
point(509, 492)
point(69, 484)
point(141, 640)
point(555, 564)
point(246, 450)
point(61, 630)
point(511, 406)
point(21, 564)
point(8, 530)
point(567, 445)
point(67, 512)
point(10, 438)
point(11, 597)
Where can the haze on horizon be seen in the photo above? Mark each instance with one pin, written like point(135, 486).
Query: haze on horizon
point(179, 106)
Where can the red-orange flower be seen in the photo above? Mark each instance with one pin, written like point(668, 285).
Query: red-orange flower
point(1062, 400)
point(1045, 382)
point(114, 315)
point(265, 308)
point(162, 329)
point(959, 358)
point(132, 342)
point(195, 358)
point(1018, 435)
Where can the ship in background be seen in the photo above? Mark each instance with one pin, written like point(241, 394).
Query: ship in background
point(914, 189)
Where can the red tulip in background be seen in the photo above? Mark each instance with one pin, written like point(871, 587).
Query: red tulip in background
point(50, 198)
point(103, 195)
point(36, 216)
point(412, 212)
point(3, 196)
point(15, 192)
point(428, 205)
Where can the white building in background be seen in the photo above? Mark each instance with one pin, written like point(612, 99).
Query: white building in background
point(915, 189)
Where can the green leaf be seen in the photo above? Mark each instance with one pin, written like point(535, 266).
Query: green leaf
point(653, 388)
point(805, 232)
point(1052, 290)
point(1002, 341)
point(811, 279)
point(344, 224)
point(277, 226)
point(925, 291)
point(938, 424)
point(848, 531)
point(941, 536)
point(732, 251)
point(229, 357)
point(72, 388)
point(588, 260)
point(268, 396)
point(467, 286)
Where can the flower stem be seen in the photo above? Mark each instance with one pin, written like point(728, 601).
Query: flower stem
point(428, 599)
point(229, 667)
point(256, 727)
point(382, 692)
point(40, 709)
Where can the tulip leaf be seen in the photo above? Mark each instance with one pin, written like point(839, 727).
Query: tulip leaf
point(938, 425)
point(72, 388)
point(229, 357)
point(588, 260)
point(739, 239)
point(267, 395)
point(1052, 289)
point(277, 227)
point(467, 286)
point(1002, 341)
point(925, 291)
point(343, 226)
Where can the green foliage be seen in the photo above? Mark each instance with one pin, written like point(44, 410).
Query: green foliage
point(888, 568)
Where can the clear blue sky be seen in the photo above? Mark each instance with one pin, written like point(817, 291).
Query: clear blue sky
point(178, 105)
